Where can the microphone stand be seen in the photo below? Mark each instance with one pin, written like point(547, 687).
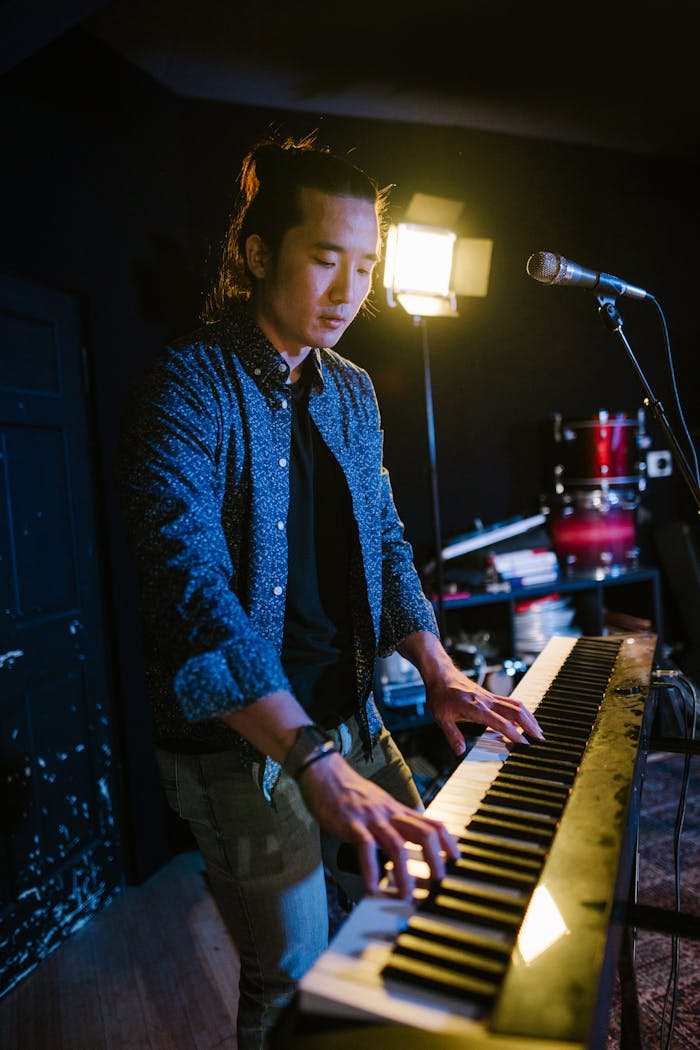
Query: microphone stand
point(612, 320)
point(636, 916)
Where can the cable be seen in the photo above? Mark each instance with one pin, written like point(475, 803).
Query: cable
point(667, 343)
point(685, 686)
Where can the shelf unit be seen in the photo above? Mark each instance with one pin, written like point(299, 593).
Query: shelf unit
point(635, 593)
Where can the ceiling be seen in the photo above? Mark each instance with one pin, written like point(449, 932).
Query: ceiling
point(622, 76)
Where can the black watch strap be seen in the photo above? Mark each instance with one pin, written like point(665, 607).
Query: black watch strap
point(312, 743)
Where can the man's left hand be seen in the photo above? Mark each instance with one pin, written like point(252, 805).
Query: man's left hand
point(453, 698)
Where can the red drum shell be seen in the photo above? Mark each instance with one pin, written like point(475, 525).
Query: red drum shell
point(603, 451)
point(594, 537)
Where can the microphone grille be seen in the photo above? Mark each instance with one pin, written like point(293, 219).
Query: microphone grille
point(544, 267)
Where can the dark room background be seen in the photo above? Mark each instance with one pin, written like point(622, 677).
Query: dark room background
point(117, 191)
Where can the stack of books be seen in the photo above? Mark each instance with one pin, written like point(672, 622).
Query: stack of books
point(526, 567)
point(509, 554)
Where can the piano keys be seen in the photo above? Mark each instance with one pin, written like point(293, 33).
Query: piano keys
point(518, 943)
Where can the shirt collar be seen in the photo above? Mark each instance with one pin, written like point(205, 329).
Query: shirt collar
point(258, 356)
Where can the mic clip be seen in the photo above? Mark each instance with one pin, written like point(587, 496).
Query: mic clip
point(608, 311)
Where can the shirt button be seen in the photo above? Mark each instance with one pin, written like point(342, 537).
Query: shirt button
point(282, 462)
point(281, 368)
point(284, 403)
point(277, 591)
point(280, 525)
point(257, 371)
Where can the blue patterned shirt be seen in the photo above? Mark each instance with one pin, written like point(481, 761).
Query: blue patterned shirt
point(204, 479)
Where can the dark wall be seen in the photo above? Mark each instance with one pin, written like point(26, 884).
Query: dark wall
point(118, 191)
point(526, 351)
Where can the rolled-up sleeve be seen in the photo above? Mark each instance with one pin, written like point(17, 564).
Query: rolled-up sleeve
point(174, 464)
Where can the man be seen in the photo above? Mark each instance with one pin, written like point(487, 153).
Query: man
point(274, 571)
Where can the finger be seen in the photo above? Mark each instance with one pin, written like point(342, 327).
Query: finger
point(432, 855)
point(449, 842)
point(433, 838)
point(369, 863)
point(505, 726)
point(509, 730)
point(393, 845)
point(453, 736)
point(516, 711)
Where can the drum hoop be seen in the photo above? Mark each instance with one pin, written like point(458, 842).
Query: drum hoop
point(607, 480)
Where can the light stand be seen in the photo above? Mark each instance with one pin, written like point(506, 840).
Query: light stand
point(432, 461)
point(426, 267)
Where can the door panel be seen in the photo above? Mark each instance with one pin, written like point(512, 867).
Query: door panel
point(59, 857)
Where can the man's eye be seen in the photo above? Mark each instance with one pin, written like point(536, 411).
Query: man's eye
point(325, 262)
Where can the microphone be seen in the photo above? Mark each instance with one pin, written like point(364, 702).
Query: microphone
point(550, 268)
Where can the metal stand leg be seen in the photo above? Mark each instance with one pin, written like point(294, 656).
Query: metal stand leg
point(630, 1020)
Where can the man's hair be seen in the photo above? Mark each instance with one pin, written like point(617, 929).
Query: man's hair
point(273, 173)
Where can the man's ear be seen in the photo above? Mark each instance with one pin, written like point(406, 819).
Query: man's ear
point(257, 255)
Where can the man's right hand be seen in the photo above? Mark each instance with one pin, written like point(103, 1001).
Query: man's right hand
point(344, 803)
point(357, 811)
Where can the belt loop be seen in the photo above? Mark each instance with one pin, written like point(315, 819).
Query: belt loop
point(345, 739)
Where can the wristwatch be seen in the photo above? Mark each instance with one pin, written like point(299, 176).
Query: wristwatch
point(312, 743)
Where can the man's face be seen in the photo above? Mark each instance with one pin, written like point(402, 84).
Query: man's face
point(312, 289)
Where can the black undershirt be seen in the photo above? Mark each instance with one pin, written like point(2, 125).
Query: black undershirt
point(317, 649)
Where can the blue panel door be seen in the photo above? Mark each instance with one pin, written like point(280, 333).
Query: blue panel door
point(59, 849)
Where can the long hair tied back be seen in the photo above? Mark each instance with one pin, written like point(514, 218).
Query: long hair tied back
point(271, 176)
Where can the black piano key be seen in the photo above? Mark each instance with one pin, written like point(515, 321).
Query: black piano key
point(527, 810)
point(521, 831)
point(582, 674)
point(539, 778)
point(471, 836)
point(440, 979)
point(530, 802)
point(576, 691)
point(515, 782)
point(574, 724)
point(585, 648)
point(582, 671)
point(517, 817)
point(487, 943)
point(561, 724)
point(574, 706)
point(575, 712)
point(560, 774)
point(559, 733)
point(505, 786)
point(467, 909)
point(458, 886)
point(550, 753)
point(581, 663)
point(578, 681)
point(564, 748)
point(578, 697)
point(497, 874)
point(520, 861)
point(455, 959)
point(541, 771)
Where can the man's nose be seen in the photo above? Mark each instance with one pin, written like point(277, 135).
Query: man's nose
point(342, 288)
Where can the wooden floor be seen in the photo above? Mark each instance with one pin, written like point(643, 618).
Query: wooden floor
point(155, 969)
